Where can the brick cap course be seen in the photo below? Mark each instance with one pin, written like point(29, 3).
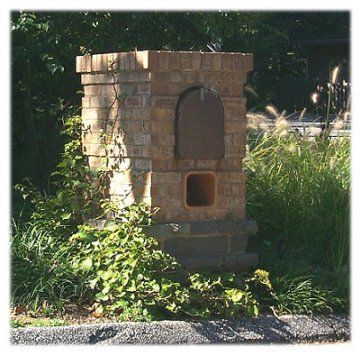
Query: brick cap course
point(164, 60)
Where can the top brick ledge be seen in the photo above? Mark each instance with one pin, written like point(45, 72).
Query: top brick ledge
point(164, 60)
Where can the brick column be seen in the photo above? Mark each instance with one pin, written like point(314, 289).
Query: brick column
point(133, 97)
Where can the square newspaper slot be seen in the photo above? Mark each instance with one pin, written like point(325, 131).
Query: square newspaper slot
point(175, 128)
point(200, 189)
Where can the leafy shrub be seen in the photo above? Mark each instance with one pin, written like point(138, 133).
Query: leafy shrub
point(128, 275)
point(74, 200)
point(60, 257)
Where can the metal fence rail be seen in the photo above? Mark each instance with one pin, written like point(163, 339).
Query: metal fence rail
point(295, 93)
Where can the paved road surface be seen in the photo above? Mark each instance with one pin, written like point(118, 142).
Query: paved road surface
point(262, 330)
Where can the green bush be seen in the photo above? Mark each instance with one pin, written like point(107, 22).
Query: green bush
point(128, 275)
point(59, 257)
point(298, 190)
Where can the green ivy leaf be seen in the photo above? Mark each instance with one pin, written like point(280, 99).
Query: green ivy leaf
point(86, 264)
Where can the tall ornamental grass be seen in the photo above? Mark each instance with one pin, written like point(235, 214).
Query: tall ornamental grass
point(298, 191)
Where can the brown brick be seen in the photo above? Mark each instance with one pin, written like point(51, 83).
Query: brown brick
point(137, 151)
point(161, 164)
point(137, 101)
point(183, 165)
point(227, 140)
point(233, 151)
point(225, 189)
point(138, 138)
point(196, 60)
point(175, 76)
point(230, 164)
point(163, 60)
point(135, 113)
point(104, 102)
point(175, 191)
point(91, 113)
point(217, 61)
point(164, 102)
point(100, 62)
point(153, 59)
point(164, 152)
point(120, 59)
point(93, 149)
point(190, 77)
point(239, 77)
point(227, 61)
point(158, 128)
point(224, 202)
point(141, 60)
point(162, 75)
point(240, 62)
point(208, 214)
point(162, 114)
point(85, 102)
point(112, 90)
point(159, 190)
point(231, 127)
point(130, 61)
point(142, 164)
point(231, 177)
point(143, 88)
point(161, 87)
point(163, 140)
point(237, 210)
point(185, 60)
point(210, 164)
point(95, 162)
point(174, 60)
point(166, 177)
point(83, 64)
point(131, 126)
point(141, 190)
point(91, 90)
point(239, 139)
point(113, 61)
point(207, 61)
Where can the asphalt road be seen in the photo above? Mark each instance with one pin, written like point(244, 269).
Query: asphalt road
point(262, 330)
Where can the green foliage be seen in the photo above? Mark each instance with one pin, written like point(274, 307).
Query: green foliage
point(34, 322)
point(39, 270)
point(299, 192)
point(128, 275)
point(300, 295)
point(74, 200)
point(60, 257)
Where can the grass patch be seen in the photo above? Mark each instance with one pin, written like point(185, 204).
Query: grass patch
point(18, 322)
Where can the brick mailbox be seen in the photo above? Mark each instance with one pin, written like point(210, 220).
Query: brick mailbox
point(172, 126)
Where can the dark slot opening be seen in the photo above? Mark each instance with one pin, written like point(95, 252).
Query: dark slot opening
point(200, 189)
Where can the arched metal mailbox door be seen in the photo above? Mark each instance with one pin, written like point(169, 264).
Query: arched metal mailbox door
point(200, 125)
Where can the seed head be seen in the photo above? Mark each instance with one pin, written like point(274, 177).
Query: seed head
point(335, 72)
point(272, 110)
point(314, 97)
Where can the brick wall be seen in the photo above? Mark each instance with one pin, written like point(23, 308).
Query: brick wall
point(132, 97)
